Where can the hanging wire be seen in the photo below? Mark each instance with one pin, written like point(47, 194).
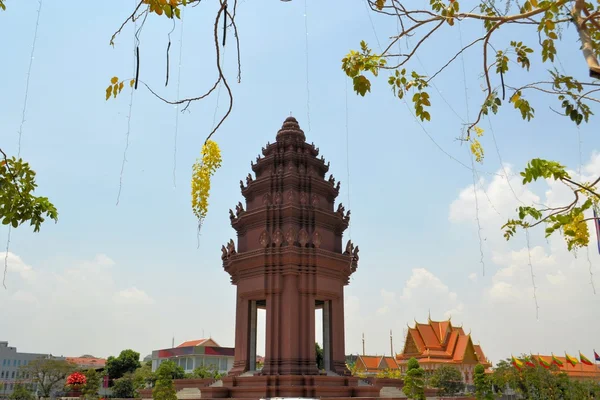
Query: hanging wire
point(348, 157)
point(462, 60)
point(214, 122)
point(537, 308)
point(136, 43)
point(587, 248)
point(31, 58)
point(307, 64)
point(6, 256)
point(20, 131)
point(177, 105)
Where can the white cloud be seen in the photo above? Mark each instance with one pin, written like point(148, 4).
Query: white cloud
point(72, 307)
point(132, 295)
point(473, 276)
point(423, 292)
point(506, 303)
point(17, 265)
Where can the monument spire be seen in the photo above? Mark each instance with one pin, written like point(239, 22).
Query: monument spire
point(289, 260)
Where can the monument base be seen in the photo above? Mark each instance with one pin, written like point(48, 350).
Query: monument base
point(307, 386)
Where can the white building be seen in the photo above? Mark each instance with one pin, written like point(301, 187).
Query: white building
point(196, 353)
point(11, 368)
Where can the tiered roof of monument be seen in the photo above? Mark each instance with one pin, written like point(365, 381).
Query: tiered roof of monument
point(440, 342)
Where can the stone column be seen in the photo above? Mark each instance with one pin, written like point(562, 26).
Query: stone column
point(338, 359)
point(242, 336)
point(327, 335)
point(252, 345)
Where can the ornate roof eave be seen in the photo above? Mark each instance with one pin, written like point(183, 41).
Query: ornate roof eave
point(264, 182)
point(327, 219)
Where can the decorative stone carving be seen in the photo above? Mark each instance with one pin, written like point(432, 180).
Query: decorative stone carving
point(278, 198)
point(340, 210)
point(355, 254)
point(224, 253)
point(239, 209)
point(266, 199)
point(264, 239)
point(291, 196)
point(249, 179)
point(277, 238)
point(230, 248)
point(315, 201)
point(231, 215)
point(303, 198)
point(290, 167)
point(280, 169)
point(290, 236)
point(242, 185)
point(303, 237)
point(349, 248)
point(331, 179)
point(317, 239)
point(337, 187)
point(347, 217)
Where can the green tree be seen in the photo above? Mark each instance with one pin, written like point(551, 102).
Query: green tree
point(539, 77)
point(127, 361)
point(448, 380)
point(483, 385)
point(92, 384)
point(206, 372)
point(124, 387)
point(175, 370)
point(319, 356)
point(164, 388)
point(20, 392)
point(414, 381)
point(143, 377)
point(49, 374)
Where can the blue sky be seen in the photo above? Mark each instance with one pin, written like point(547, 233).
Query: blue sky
point(109, 277)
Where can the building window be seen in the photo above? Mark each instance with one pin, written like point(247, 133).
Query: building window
point(13, 375)
point(224, 364)
point(14, 363)
point(190, 363)
point(2, 374)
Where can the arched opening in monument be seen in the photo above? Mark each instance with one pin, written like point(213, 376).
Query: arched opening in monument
point(323, 331)
point(319, 333)
point(258, 328)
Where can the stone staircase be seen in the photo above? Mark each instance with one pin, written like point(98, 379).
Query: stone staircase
point(391, 392)
point(188, 394)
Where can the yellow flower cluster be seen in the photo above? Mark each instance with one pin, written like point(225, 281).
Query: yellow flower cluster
point(202, 170)
point(477, 150)
point(168, 7)
point(579, 234)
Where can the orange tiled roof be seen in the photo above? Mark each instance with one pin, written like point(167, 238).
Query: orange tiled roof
point(87, 361)
point(198, 342)
point(440, 342)
point(578, 371)
point(376, 363)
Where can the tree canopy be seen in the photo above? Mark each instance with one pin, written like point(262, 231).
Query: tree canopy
point(448, 380)
point(127, 361)
point(49, 374)
point(414, 381)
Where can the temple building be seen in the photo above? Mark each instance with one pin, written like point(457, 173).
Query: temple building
point(439, 343)
point(371, 365)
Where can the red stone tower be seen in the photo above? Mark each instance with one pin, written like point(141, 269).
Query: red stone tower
point(290, 261)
